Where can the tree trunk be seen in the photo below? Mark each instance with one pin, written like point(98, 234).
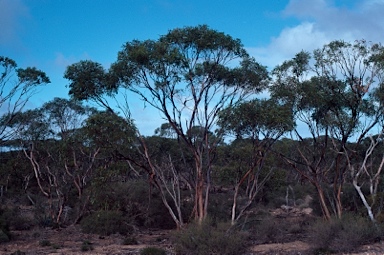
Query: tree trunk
point(339, 206)
point(364, 200)
point(199, 198)
point(323, 203)
point(233, 217)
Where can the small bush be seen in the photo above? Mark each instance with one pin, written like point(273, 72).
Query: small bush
point(322, 233)
point(321, 251)
point(342, 235)
point(44, 221)
point(36, 234)
point(18, 252)
point(3, 237)
point(152, 251)
point(11, 219)
point(106, 223)
point(5, 234)
point(269, 229)
point(86, 246)
point(44, 243)
point(56, 246)
point(355, 232)
point(206, 239)
point(21, 223)
point(130, 240)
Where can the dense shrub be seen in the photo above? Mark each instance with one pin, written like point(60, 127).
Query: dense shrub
point(343, 235)
point(106, 223)
point(4, 237)
point(44, 243)
point(206, 239)
point(132, 198)
point(5, 234)
point(130, 240)
point(13, 219)
point(152, 251)
point(266, 228)
point(220, 206)
point(157, 215)
point(18, 252)
point(86, 246)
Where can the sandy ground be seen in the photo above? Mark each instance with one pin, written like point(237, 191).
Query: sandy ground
point(71, 241)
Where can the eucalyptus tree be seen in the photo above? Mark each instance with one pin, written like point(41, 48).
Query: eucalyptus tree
point(258, 123)
point(166, 131)
point(333, 93)
point(59, 160)
point(17, 86)
point(365, 171)
point(188, 75)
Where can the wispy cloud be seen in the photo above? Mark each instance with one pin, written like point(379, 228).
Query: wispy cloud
point(11, 13)
point(61, 61)
point(289, 42)
point(320, 22)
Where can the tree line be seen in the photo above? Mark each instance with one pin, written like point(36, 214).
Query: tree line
point(321, 124)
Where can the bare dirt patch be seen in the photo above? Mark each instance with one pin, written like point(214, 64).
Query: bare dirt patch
point(70, 240)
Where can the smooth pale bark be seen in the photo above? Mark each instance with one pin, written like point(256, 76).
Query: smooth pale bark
point(323, 203)
point(373, 177)
point(364, 200)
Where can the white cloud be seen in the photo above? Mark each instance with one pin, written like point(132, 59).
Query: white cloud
point(61, 61)
point(10, 13)
point(320, 21)
point(290, 41)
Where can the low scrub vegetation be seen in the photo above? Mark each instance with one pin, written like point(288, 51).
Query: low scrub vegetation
point(106, 223)
point(343, 235)
point(209, 238)
point(153, 251)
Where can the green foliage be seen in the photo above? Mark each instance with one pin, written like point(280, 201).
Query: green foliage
point(106, 223)
point(133, 200)
point(4, 237)
point(269, 229)
point(17, 86)
point(18, 252)
point(13, 169)
point(130, 240)
point(338, 104)
point(220, 206)
point(194, 64)
point(259, 118)
point(56, 246)
point(29, 76)
point(129, 197)
point(152, 251)
point(206, 239)
point(22, 223)
point(110, 132)
point(42, 218)
point(32, 76)
point(86, 246)
point(5, 234)
point(89, 80)
point(44, 243)
point(343, 235)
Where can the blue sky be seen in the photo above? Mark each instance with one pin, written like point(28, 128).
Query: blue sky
point(51, 34)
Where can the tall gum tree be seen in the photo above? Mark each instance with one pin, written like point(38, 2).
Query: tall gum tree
point(333, 92)
point(257, 125)
point(17, 86)
point(58, 159)
point(188, 75)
